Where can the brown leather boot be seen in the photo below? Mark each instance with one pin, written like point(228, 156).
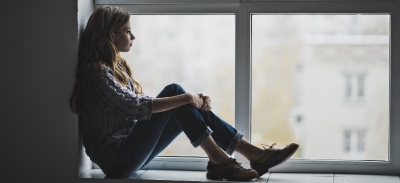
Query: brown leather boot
point(273, 157)
point(231, 170)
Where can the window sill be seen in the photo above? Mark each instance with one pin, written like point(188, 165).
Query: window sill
point(165, 176)
point(200, 176)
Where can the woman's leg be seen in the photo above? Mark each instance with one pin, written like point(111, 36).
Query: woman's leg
point(145, 136)
point(260, 159)
point(139, 144)
point(171, 131)
point(249, 151)
point(226, 136)
point(183, 117)
point(148, 138)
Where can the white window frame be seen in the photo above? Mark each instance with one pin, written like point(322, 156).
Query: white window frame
point(243, 9)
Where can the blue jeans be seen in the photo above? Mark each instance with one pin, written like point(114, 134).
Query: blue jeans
point(148, 138)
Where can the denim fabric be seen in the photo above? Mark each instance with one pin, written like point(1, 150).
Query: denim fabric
point(147, 139)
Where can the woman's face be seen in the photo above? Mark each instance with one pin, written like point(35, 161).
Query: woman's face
point(123, 38)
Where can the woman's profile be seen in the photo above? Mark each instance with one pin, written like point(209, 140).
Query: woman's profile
point(123, 129)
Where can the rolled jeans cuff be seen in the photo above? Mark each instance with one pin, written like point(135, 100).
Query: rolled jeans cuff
point(234, 142)
point(202, 137)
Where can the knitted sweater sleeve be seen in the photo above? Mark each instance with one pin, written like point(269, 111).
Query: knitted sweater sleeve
point(120, 99)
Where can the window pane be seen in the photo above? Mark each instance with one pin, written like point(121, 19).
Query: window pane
point(322, 81)
point(195, 51)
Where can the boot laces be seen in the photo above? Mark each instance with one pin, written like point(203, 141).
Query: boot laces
point(269, 147)
point(234, 161)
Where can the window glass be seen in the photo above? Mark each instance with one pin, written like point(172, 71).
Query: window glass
point(322, 81)
point(195, 51)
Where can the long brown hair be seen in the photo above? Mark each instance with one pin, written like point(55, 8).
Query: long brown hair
point(96, 45)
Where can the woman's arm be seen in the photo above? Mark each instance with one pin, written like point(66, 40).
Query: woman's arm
point(168, 103)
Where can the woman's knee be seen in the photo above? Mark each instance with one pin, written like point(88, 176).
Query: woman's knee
point(175, 89)
point(171, 90)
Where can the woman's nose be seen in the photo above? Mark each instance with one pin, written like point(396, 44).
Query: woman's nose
point(132, 37)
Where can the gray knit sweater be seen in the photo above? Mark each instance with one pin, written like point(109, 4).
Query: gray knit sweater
point(108, 114)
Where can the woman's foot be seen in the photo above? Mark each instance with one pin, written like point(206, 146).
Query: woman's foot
point(230, 170)
point(273, 157)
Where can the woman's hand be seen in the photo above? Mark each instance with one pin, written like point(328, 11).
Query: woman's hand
point(195, 100)
point(206, 102)
point(200, 101)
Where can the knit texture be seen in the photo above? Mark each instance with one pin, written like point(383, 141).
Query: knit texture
point(109, 112)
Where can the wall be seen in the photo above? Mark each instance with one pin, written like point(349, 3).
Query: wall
point(85, 8)
point(38, 132)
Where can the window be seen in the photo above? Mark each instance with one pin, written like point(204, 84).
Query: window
point(347, 141)
point(320, 75)
point(326, 46)
point(355, 86)
point(354, 142)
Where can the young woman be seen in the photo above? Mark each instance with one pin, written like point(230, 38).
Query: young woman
point(123, 129)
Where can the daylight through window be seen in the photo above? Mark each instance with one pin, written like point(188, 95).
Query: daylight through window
point(333, 71)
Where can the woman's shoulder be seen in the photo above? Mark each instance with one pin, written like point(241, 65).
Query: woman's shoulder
point(99, 69)
point(101, 66)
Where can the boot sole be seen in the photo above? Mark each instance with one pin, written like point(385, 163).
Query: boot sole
point(217, 176)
